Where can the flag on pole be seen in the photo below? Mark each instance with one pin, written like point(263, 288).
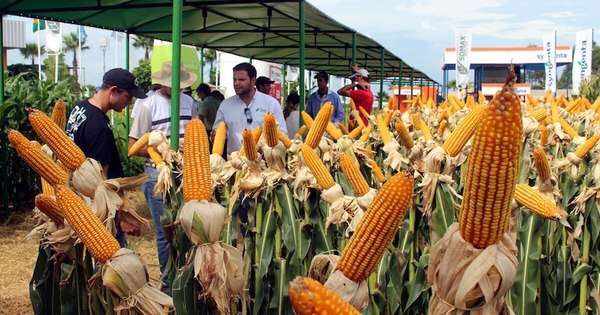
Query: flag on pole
point(550, 60)
point(582, 61)
point(81, 33)
point(53, 36)
point(38, 25)
point(462, 42)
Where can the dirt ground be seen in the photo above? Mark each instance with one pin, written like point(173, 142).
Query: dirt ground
point(18, 256)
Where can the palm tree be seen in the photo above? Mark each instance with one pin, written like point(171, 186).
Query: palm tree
point(210, 55)
point(30, 51)
point(144, 42)
point(71, 42)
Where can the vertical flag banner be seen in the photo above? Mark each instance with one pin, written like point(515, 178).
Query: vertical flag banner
point(38, 25)
point(53, 36)
point(462, 42)
point(550, 60)
point(582, 59)
point(81, 33)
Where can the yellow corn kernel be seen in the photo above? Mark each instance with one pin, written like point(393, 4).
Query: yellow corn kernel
point(354, 176)
point(542, 165)
point(197, 183)
point(377, 171)
point(405, 138)
point(317, 167)
point(138, 144)
point(442, 127)
point(219, 141)
point(543, 135)
point(287, 143)
point(343, 128)
point(310, 297)
point(100, 243)
point(248, 145)
point(47, 204)
point(36, 159)
point(366, 132)
point(492, 169)
point(536, 202)
point(64, 148)
point(59, 114)
point(154, 155)
point(384, 131)
point(377, 228)
point(568, 129)
point(333, 131)
point(315, 132)
point(584, 148)
point(270, 127)
point(47, 189)
point(539, 114)
point(463, 132)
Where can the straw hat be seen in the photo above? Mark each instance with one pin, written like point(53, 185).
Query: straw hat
point(163, 77)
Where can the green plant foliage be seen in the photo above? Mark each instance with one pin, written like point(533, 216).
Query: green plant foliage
point(142, 74)
point(590, 88)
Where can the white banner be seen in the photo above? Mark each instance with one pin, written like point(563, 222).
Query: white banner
point(53, 36)
point(582, 59)
point(462, 42)
point(550, 60)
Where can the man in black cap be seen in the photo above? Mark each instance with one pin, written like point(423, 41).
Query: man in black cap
point(263, 84)
point(89, 127)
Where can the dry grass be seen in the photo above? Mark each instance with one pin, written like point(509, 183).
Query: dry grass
point(19, 256)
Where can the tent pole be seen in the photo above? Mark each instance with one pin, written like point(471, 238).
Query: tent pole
point(302, 43)
point(4, 142)
point(127, 109)
point(381, 78)
point(176, 74)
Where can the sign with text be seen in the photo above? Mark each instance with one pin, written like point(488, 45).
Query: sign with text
point(582, 58)
point(462, 42)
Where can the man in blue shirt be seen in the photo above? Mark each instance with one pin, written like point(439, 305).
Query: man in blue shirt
point(323, 95)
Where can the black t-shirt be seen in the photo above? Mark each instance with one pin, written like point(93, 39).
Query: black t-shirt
point(89, 127)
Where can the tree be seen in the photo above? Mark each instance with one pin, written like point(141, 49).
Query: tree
point(71, 43)
point(63, 71)
point(383, 94)
point(30, 51)
point(452, 85)
point(144, 42)
point(142, 74)
point(210, 55)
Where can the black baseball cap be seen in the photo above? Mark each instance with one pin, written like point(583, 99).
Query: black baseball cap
point(322, 75)
point(263, 80)
point(124, 80)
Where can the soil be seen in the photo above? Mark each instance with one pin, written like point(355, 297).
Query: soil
point(18, 256)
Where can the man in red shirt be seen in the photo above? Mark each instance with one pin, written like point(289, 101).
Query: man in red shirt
point(362, 95)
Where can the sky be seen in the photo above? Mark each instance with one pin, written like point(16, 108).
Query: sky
point(418, 31)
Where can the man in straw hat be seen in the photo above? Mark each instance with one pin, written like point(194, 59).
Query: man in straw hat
point(155, 114)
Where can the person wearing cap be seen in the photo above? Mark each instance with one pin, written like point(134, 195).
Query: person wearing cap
point(359, 90)
point(247, 108)
point(263, 84)
point(151, 90)
point(323, 95)
point(89, 127)
point(155, 114)
point(208, 108)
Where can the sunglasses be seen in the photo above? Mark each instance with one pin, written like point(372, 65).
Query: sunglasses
point(248, 115)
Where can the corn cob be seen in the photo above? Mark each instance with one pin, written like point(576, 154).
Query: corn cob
point(354, 176)
point(284, 139)
point(377, 171)
point(416, 121)
point(543, 135)
point(64, 148)
point(377, 228)
point(426, 131)
point(442, 127)
point(101, 244)
point(532, 100)
point(568, 129)
point(387, 117)
point(270, 127)
point(369, 151)
point(596, 104)
point(303, 129)
point(363, 112)
point(47, 204)
point(197, 183)
point(390, 103)
point(310, 297)
point(37, 159)
point(572, 105)
point(405, 138)
point(248, 146)
point(59, 114)
point(359, 120)
point(219, 140)
point(138, 144)
point(47, 189)
point(333, 131)
point(463, 132)
point(442, 116)
point(355, 132)
point(317, 167)
point(384, 131)
point(154, 155)
point(536, 202)
point(539, 114)
point(366, 133)
point(343, 128)
point(318, 127)
point(480, 97)
point(256, 133)
point(542, 165)
point(492, 169)
point(584, 148)
point(554, 112)
point(352, 105)
point(308, 121)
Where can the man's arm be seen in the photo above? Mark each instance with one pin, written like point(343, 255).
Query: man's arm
point(345, 90)
point(218, 120)
point(141, 125)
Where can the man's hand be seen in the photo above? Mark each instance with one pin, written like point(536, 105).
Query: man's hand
point(128, 223)
point(354, 68)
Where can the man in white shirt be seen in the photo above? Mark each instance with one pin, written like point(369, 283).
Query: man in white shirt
point(247, 108)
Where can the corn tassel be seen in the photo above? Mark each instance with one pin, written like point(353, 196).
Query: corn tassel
point(542, 165)
point(568, 129)
point(197, 183)
point(47, 204)
point(287, 143)
point(317, 167)
point(310, 297)
point(36, 159)
point(463, 132)
point(405, 138)
point(536, 202)
point(384, 131)
point(366, 133)
point(138, 144)
point(219, 140)
point(59, 114)
point(270, 127)
point(492, 169)
point(354, 176)
point(584, 148)
point(377, 228)
point(64, 148)
point(319, 125)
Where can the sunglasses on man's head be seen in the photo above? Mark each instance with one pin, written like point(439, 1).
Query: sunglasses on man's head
point(248, 115)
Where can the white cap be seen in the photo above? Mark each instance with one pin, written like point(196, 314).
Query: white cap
point(360, 72)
